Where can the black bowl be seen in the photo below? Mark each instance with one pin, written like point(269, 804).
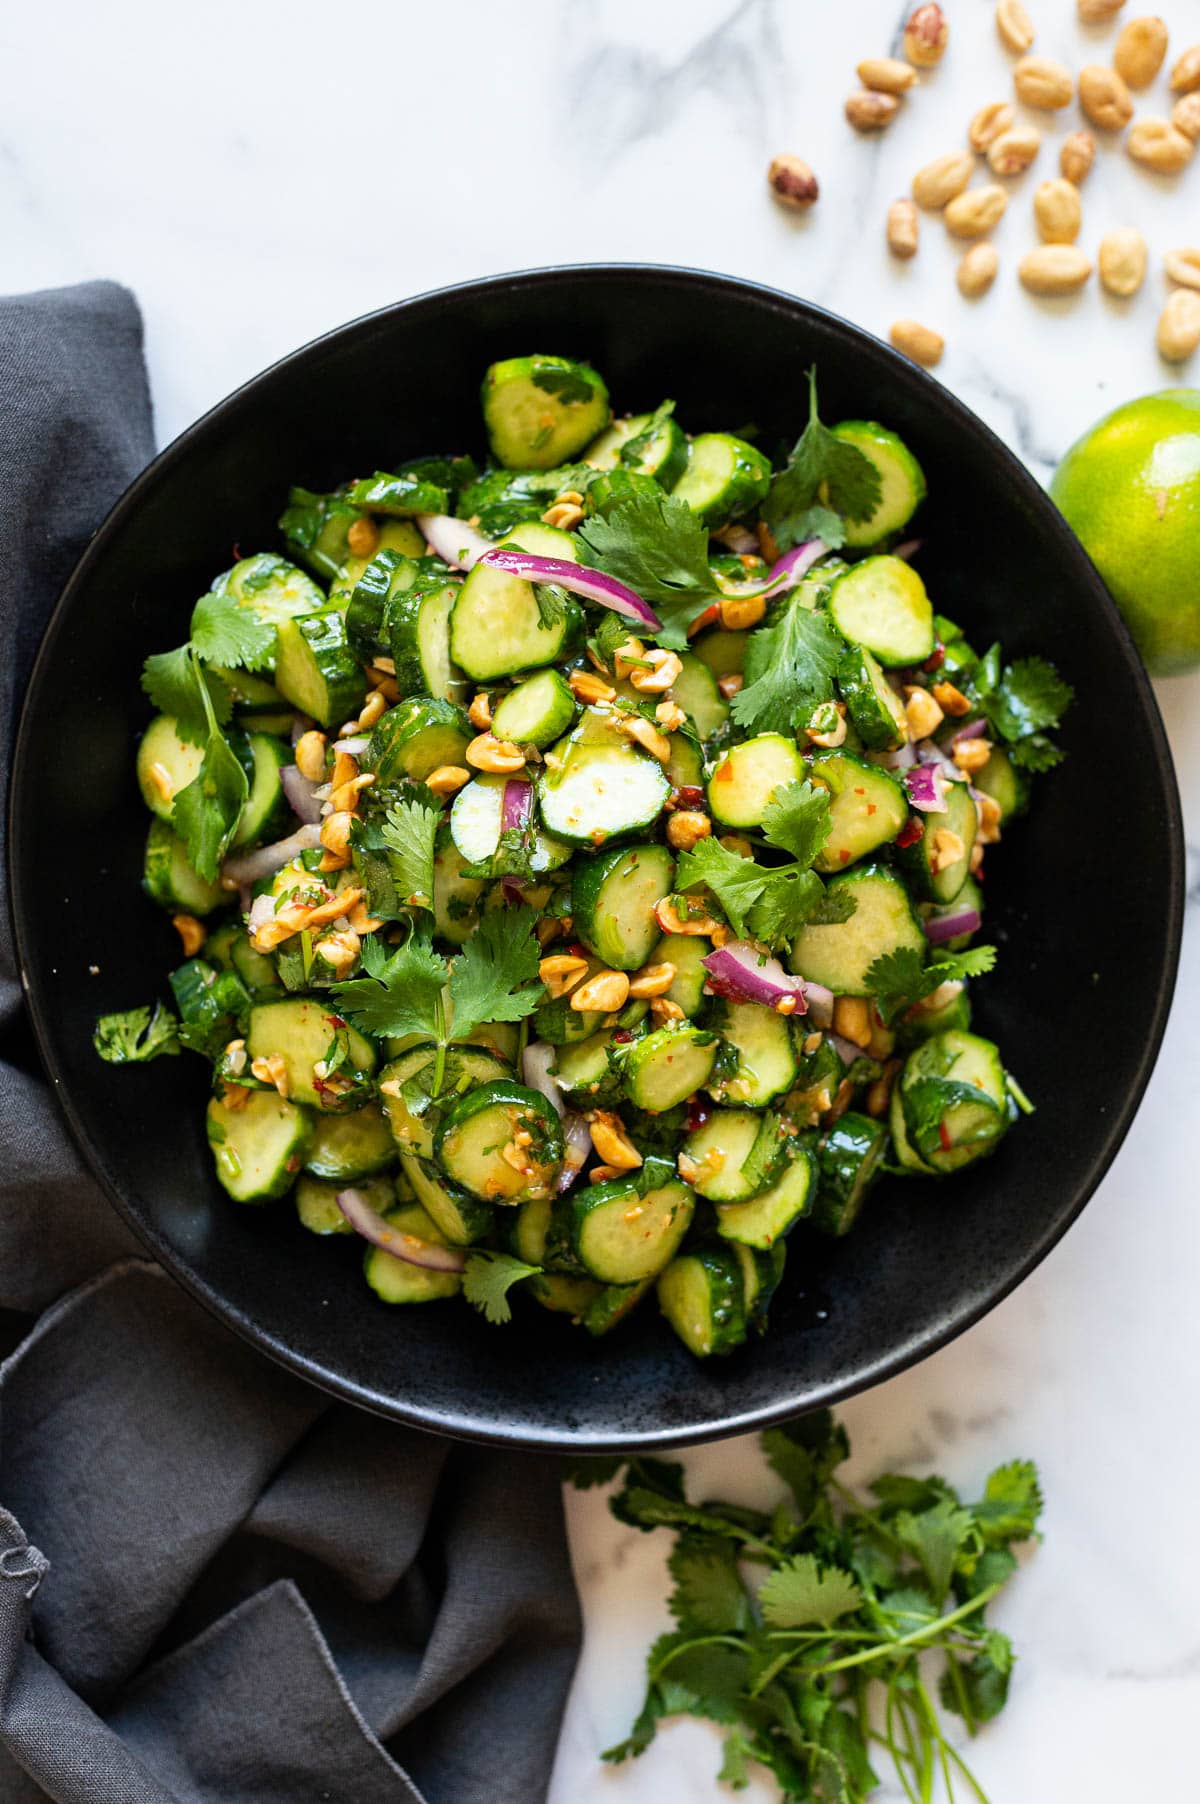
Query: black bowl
point(1084, 898)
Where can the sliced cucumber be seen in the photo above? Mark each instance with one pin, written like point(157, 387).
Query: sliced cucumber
point(474, 1135)
point(497, 628)
point(585, 1073)
point(218, 948)
point(317, 1205)
point(383, 577)
point(165, 765)
point(412, 1123)
point(403, 495)
point(345, 1148)
point(840, 956)
point(748, 775)
point(761, 1272)
point(563, 1294)
point(900, 475)
point(668, 1066)
point(768, 1217)
point(302, 1033)
point(536, 712)
point(695, 689)
point(1000, 779)
point(735, 1155)
point(169, 879)
point(724, 477)
point(316, 669)
point(476, 818)
point(258, 1149)
point(702, 1295)
point(723, 652)
point(876, 711)
point(455, 897)
point(659, 449)
point(316, 529)
point(687, 952)
point(540, 411)
point(265, 810)
point(849, 1160)
point(395, 1280)
point(398, 536)
point(561, 1025)
point(613, 898)
point(881, 604)
point(969, 896)
point(617, 1236)
point(525, 1229)
point(907, 1157)
point(766, 1063)
point(922, 861)
point(614, 1305)
point(462, 1219)
point(604, 452)
point(595, 785)
point(419, 636)
point(415, 737)
point(954, 1098)
point(270, 588)
point(685, 766)
point(867, 807)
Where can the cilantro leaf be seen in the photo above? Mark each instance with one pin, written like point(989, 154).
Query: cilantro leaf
point(789, 668)
point(634, 449)
point(977, 1689)
point(736, 882)
point(135, 1035)
point(734, 1769)
point(821, 468)
point(659, 547)
point(802, 1591)
point(174, 684)
point(790, 899)
point(489, 1277)
point(899, 979)
point(568, 385)
point(551, 603)
point(1037, 753)
point(1011, 1504)
point(224, 631)
point(588, 1470)
point(402, 994)
point(409, 831)
point(709, 1596)
point(207, 811)
point(1029, 697)
point(939, 1537)
point(796, 819)
point(488, 977)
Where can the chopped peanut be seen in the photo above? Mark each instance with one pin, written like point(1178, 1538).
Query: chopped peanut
point(652, 980)
point(972, 754)
point(345, 795)
point(670, 716)
point(590, 689)
point(191, 933)
point(235, 1097)
point(271, 1070)
point(345, 769)
point(309, 756)
point(629, 656)
point(480, 712)
point(561, 972)
point(663, 1009)
point(988, 810)
point(361, 921)
point(827, 725)
point(649, 738)
point(665, 668)
point(737, 842)
point(160, 776)
point(947, 846)
point(786, 1005)
point(566, 513)
point(497, 756)
point(369, 713)
point(447, 779)
point(738, 612)
point(335, 833)
point(611, 1141)
point(605, 991)
point(879, 1094)
point(730, 685)
point(686, 829)
point(841, 1101)
point(925, 714)
point(670, 920)
point(600, 1174)
point(363, 537)
point(950, 699)
point(852, 1019)
point(235, 1057)
point(339, 950)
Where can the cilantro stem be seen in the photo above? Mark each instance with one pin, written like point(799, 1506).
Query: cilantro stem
point(884, 1648)
point(960, 1692)
point(439, 1063)
point(967, 1774)
point(736, 1641)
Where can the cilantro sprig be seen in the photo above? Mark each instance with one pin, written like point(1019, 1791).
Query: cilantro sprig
point(659, 547)
point(826, 480)
point(789, 669)
point(899, 979)
point(488, 1279)
point(1022, 702)
point(803, 1631)
point(135, 1035)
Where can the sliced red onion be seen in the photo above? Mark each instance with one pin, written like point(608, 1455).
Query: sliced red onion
point(908, 549)
point(536, 1061)
point(456, 542)
point(740, 970)
point(593, 585)
point(901, 759)
point(971, 729)
point(301, 723)
point(516, 805)
point(929, 753)
point(577, 1146)
point(371, 1225)
point(302, 795)
point(789, 571)
point(846, 1050)
point(820, 1003)
point(926, 788)
point(514, 895)
point(948, 927)
point(252, 867)
point(354, 746)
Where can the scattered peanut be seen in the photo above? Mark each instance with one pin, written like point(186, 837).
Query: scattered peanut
point(1183, 266)
point(191, 933)
point(879, 1093)
point(792, 182)
point(951, 699)
point(363, 537)
point(947, 847)
point(600, 1174)
point(730, 685)
point(686, 828)
point(499, 757)
point(697, 925)
point(1041, 82)
point(1185, 73)
point(480, 712)
point(974, 213)
point(1055, 269)
point(1139, 51)
point(1076, 156)
point(670, 716)
point(738, 612)
point(1056, 211)
point(1185, 116)
point(160, 776)
point(1014, 25)
point(590, 689)
point(971, 755)
point(447, 779)
point(1104, 97)
point(1096, 12)
point(903, 228)
point(652, 980)
point(852, 1019)
point(561, 972)
point(346, 795)
point(612, 1142)
point(977, 270)
point(827, 725)
point(1179, 326)
point(1013, 151)
point(309, 756)
point(926, 35)
point(339, 950)
point(335, 832)
point(939, 181)
point(886, 74)
point(648, 737)
point(988, 811)
point(606, 991)
point(566, 513)
point(920, 343)
point(868, 111)
point(1122, 261)
point(663, 1009)
point(1157, 145)
point(271, 1070)
point(987, 124)
point(628, 657)
point(924, 713)
point(665, 668)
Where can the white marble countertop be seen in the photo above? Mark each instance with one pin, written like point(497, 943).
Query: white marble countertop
point(259, 173)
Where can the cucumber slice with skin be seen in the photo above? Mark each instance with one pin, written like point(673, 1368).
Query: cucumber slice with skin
point(496, 628)
point(412, 1130)
point(881, 604)
point(419, 639)
point(563, 1294)
point(734, 1155)
point(595, 785)
point(761, 1272)
point(766, 1063)
point(874, 707)
point(265, 810)
point(345, 1148)
point(316, 669)
point(561, 1025)
point(901, 477)
point(849, 1160)
point(613, 898)
point(695, 689)
point(525, 1229)
point(659, 450)
point(541, 411)
point(169, 879)
point(585, 1073)
point(461, 1219)
point(301, 1031)
point(954, 1098)
point(724, 477)
point(259, 1148)
point(839, 956)
point(685, 766)
point(921, 862)
point(270, 588)
point(476, 818)
point(217, 949)
point(666, 1067)
point(399, 536)
point(472, 1138)
point(765, 1219)
point(537, 712)
point(415, 737)
point(723, 652)
point(604, 452)
point(615, 1303)
point(165, 765)
point(867, 807)
point(455, 897)
point(1007, 786)
point(395, 1280)
point(317, 1205)
point(969, 896)
point(748, 775)
point(702, 1295)
point(687, 952)
point(611, 1233)
point(906, 1155)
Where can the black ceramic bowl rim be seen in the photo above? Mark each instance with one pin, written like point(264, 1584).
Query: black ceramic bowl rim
point(474, 1426)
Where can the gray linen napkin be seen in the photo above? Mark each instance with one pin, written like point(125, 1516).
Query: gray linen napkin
point(214, 1583)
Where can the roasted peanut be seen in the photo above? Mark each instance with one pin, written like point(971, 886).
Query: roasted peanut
point(1185, 116)
point(652, 980)
point(566, 513)
point(670, 716)
point(611, 1141)
point(1055, 269)
point(920, 343)
point(1155, 144)
point(1056, 211)
point(974, 213)
point(664, 668)
point(977, 270)
point(601, 994)
point(191, 933)
point(1041, 82)
point(924, 713)
point(926, 36)
point(903, 228)
point(939, 181)
point(1104, 97)
point(1122, 261)
point(739, 612)
point(947, 847)
point(987, 124)
point(447, 779)
point(1076, 156)
point(868, 111)
point(852, 1019)
point(886, 74)
point(335, 832)
point(161, 778)
point(730, 685)
point(628, 657)
point(498, 757)
point(363, 537)
point(1183, 266)
point(1014, 25)
point(1179, 326)
point(971, 755)
point(648, 737)
point(589, 689)
point(561, 972)
point(309, 756)
point(698, 925)
point(951, 699)
point(1013, 151)
point(339, 950)
point(686, 828)
point(1139, 51)
point(792, 182)
point(271, 1070)
point(1185, 72)
point(1095, 12)
point(480, 712)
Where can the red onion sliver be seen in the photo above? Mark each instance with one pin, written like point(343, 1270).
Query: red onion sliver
point(302, 795)
point(948, 927)
point(252, 867)
point(926, 788)
point(516, 805)
point(846, 1050)
point(740, 970)
point(971, 729)
point(456, 542)
point(592, 585)
point(902, 759)
point(371, 1225)
point(577, 1146)
point(820, 1003)
point(536, 1061)
point(787, 573)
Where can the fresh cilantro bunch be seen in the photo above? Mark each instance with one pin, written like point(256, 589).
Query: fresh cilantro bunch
point(1021, 702)
point(801, 1631)
point(825, 481)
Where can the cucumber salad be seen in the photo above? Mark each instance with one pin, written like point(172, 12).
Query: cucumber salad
point(579, 859)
